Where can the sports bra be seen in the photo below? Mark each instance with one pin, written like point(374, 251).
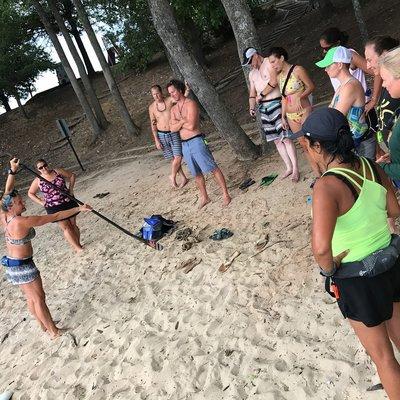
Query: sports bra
point(19, 242)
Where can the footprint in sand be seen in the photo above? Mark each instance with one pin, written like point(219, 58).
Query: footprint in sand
point(213, 327)
point(280, 365)
point(156, 365)
point(220, 298)
point(34, 376)
point(200, 379)
point(79, 392)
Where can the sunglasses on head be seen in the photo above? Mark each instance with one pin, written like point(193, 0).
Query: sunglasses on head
point(7, 199)
point(42, 166)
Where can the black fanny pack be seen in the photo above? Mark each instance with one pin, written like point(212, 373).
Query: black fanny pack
point(11, 262)
point(376, 263)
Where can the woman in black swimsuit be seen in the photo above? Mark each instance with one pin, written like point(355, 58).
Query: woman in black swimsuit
point(19, 266)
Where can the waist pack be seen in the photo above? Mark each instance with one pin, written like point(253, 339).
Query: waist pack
point(10, 262)
point(155, 227)
point(376, 263)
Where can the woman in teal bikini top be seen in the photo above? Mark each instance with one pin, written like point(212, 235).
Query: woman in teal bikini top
point(19, 242)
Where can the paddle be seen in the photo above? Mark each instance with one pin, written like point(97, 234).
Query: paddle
point(151, 243)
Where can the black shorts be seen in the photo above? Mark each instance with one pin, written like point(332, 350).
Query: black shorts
point(370, 300)
point(62, 207)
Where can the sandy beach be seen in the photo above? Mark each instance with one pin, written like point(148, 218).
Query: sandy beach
point(139, 327)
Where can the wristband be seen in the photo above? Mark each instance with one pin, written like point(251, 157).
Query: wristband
point(273, 87)
point(11, 172)
point(252, 97)
point(329, 274)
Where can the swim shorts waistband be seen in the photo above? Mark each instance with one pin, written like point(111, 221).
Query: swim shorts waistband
point(194, 137)
point(274, 99)
point(165, 132)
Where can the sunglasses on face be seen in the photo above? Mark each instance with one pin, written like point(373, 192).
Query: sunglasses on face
point(42, 166)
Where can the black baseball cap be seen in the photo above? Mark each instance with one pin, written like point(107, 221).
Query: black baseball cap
point(248, 55)
point(323, 124)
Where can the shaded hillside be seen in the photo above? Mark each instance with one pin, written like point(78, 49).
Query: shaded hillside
point(37, 137)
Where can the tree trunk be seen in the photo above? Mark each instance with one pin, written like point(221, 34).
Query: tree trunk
point(77, 36)
point(166, 26)
point(4, 101)
point(20, 106)
point(67, 67)
point(360, 20)
point(239, 15)
point(81, 68)
point(129, 124)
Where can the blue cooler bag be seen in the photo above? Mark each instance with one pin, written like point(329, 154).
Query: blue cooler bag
point(151, 229)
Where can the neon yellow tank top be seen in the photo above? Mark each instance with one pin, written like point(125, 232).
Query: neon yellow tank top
point(364, 228)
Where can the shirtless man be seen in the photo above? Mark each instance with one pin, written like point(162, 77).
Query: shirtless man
point(185, 119)
point(165, 140)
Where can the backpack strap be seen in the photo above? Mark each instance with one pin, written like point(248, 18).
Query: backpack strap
point(287, 79)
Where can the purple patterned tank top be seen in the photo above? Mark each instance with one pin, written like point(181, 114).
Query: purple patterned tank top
point(53, 197)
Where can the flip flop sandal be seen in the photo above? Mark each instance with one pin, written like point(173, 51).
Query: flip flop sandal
point(245, 184)
point(260, 244)
point(183, 234)
point(267, 180)
point(221, 234)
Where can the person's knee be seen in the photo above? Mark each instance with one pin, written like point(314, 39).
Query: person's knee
point(383, 357)
point(37, 299)
point(394, 337)
point(177, 159)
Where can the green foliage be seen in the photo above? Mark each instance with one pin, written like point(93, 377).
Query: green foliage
point(132, 28)
point(21, 59)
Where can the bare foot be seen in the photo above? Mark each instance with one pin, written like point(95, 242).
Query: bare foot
point(204, 202)
point(79, 250)
point(227, 200)
point(286, 174)
point(57, 333)
point(295, 177)
point(173, 181)
point(183, 183)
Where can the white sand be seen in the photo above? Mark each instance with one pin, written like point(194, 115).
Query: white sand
point(265, 329)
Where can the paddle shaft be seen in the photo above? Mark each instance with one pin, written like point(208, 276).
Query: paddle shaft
point(81, 203)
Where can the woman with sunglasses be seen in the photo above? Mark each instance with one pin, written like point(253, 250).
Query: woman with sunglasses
point(334, 37)
point(54, 201)
point(19, 265)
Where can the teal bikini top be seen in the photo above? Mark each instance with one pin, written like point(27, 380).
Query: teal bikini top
point(19, 242)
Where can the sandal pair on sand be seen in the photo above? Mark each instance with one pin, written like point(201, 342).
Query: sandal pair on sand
point(265, 181)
